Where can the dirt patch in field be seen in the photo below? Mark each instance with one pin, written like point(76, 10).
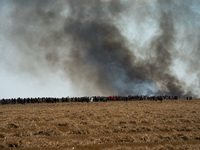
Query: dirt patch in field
point(102, 125)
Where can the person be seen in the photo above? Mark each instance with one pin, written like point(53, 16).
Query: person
point(82, 99)
point(2, 101)
point(14, 101)
point(91, 99)
point(21, 101)
point(161, 98)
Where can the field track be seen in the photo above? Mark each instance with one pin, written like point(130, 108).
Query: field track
point(172, 124)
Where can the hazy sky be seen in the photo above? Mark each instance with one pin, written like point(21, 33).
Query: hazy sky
point(40, 42)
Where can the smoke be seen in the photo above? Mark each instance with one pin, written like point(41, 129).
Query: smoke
point(99, 52)
point(84, 40)
point(162, 45)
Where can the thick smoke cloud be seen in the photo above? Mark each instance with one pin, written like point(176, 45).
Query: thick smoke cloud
point(81, 39)
point(162, 45)
point(99, 52)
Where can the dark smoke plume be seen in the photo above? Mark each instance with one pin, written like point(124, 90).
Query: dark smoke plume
point(162, 45)
point(99, 54)
point(81, 39)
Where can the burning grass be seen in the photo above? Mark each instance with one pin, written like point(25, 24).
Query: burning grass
point(101, 125)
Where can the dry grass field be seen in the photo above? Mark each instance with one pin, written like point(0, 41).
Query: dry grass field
point(102, 125)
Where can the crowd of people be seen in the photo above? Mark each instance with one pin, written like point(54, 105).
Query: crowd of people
point(87, 99)
point(189, 98)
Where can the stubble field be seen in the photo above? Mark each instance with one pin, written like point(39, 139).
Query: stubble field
point(102, 125)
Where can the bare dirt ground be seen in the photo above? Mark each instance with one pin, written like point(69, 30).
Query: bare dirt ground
point(102, 125)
